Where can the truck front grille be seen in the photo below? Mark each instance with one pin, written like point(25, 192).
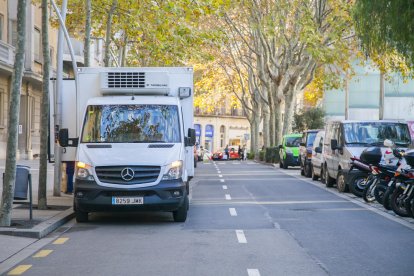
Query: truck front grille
point(131, 174)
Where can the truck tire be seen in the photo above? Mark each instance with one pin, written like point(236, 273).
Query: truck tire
point(308, 170)
point(329, 181)
point(341, 182)
point(181, 214)
point(81, 216)
point(314, 176)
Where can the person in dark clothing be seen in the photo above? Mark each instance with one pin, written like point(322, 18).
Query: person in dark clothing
point(226, 151)
point(70, 170)
point(240, 152)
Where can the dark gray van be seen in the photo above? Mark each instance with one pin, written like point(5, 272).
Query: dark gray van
point(346, 139)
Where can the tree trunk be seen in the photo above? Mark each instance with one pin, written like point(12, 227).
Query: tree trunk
point(266, 125)
point(10, 171)
point(255, 135)
point(87, 49)
point(279, 122)
point(289, 108)
point(109, 31)
point(124, 49)
point(44, 119)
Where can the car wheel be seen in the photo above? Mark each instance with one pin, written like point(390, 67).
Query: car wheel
point(314, 176)
point(285, 166)
point(81, 216)
point(302, 169)
point(341, 182)
point(329, 181)
point(181, 214)
point(322, 176)
point(308, 170)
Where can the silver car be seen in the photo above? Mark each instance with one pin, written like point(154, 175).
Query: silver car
point(317, 156)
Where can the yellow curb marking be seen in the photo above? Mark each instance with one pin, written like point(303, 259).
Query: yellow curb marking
point(60, 241)
point(19, 270)
point(42, 253)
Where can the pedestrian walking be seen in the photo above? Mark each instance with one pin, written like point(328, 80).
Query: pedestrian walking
point(226, 151)
point(244, 152)
point(240, 153)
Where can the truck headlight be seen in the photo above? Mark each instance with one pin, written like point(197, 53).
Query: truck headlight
point(288, 150)
point(83, 171)
point(173, 170)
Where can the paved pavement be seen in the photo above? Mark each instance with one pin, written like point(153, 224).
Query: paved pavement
point(24, 235)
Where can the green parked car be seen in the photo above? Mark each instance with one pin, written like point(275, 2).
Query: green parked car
point(289, 150)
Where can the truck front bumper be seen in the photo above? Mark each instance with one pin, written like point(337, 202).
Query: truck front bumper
point(291, 160)
point(168, 195)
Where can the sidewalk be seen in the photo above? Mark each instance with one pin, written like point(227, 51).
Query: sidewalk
point(25, 232)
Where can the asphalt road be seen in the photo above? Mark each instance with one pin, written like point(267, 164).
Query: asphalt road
point(244, 219)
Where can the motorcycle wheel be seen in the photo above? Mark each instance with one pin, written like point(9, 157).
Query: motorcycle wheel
point(387, 197)
point(379, 191)
point(368, 193)
point(357, 183)
point(398, 203)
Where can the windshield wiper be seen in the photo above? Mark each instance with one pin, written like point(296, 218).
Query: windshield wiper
point(402, 143)
point(356, 143)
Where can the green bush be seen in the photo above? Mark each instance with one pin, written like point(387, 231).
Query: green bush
point(272, 155)
point(261, 155)
point(250, 155)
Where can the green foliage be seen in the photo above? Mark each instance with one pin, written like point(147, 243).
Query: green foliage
point(250, 155)
point(384, 26)
point(310, 118)
point(262, 155)
point(272, 155)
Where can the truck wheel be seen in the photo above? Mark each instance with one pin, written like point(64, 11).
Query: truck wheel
point(329, 181)
point(302, 169)
point(181, 214)
point(308, 170)
point(314, 176)
point(187, 187)
point(285, 166)
point(81, 216)
point(341, 182)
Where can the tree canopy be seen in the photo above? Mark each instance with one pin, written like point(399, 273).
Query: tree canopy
point(385, 27)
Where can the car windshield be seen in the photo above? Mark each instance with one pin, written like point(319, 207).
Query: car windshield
point(293, 141)
point(311, 139)
point(131, 124)
point(376, 132)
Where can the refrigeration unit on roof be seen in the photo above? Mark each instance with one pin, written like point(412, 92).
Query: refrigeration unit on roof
point(134, 83)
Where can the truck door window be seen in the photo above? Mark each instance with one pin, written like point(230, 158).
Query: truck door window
point(131, 124)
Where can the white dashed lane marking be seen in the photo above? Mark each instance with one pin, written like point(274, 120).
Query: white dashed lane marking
point(224, 187)
point(233, 212)
point(228, 197)
point(221, 180)
point(253, 272)
point(240, 236)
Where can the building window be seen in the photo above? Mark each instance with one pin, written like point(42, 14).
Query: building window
point(13, 33)
point(222, 136)
point(1, 26)
point(37, 45)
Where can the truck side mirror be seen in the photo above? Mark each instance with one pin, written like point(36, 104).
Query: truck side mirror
point(318, 150)
point(334, 144)
point(191, 137)
point(63, 137)
point(302, 144)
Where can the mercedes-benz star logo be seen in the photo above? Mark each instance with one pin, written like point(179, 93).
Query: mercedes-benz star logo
point(127, 174)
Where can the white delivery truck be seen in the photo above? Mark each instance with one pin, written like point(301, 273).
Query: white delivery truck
point(129, 131)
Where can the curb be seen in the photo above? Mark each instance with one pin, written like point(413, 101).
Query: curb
point(43, 229)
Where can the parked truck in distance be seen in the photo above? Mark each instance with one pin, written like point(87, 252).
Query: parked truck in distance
point(130, 132)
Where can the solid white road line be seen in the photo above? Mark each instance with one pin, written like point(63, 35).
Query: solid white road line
point(228, 197)
point(218, 171)
point(221, 180)
point(253, 272)
point(240, 236)
point(224, 187)
point(220, 175)
point(233, 212)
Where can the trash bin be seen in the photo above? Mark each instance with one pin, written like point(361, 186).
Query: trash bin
point(22, 182)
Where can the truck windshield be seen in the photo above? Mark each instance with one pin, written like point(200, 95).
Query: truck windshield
point(293, 141)
point(376, 132)
point(131, 124)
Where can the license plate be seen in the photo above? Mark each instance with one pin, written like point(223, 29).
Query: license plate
point(127, 200)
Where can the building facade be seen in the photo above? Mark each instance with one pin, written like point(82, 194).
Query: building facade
point(31, 91)
point(215, 130)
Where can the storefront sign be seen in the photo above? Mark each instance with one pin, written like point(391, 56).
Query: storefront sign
point(209, 131)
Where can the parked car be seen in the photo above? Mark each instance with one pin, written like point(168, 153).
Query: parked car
point(305, 152)
point(346, 139)
point(289, 150)
point(218, 155)
point(317, 160)
point(234, 153)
